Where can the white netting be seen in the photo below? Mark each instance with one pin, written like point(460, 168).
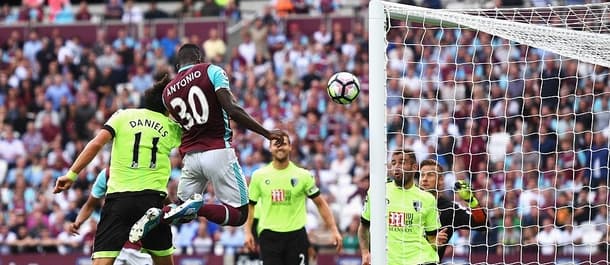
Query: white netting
point(517, 102)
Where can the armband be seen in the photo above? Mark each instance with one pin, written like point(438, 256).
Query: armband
point(72, 175)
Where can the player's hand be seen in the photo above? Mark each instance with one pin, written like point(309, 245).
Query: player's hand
point(74, 227)
point(442, 237)
point(63, 183)
point(462, 188)
point(338, 241)
point(249, 242)
point(277, 135)
point(366, 258)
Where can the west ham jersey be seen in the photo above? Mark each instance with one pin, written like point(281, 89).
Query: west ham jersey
point(191, 100)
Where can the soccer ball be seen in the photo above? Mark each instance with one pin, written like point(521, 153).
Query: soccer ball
point(343, 87)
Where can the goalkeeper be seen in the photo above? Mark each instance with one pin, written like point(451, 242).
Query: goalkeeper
point(413, 220)
point(453, 216)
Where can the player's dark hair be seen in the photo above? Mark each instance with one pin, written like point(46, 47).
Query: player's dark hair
point(285, 135)
point(407, 152)
point(153, 97)
point(189, 54)
point(431, 162)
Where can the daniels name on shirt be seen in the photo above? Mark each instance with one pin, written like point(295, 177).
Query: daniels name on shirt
point(149, 123)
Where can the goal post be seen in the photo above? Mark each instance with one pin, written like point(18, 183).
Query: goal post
point(482, 91)
point(377, 130)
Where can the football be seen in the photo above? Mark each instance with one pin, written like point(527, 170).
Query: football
point(343, 88)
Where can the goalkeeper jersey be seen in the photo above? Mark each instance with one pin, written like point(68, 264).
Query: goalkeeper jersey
point(141, 146)
point(412, 214)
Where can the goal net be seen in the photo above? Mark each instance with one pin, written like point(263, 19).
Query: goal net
point(515, 102)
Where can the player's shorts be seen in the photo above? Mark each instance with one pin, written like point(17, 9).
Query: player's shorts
point(119, 214)
point(221, 168)
point(129, 256)
point(284, 247)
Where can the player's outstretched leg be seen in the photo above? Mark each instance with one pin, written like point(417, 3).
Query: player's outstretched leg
point(150, 220)
point(184, 212)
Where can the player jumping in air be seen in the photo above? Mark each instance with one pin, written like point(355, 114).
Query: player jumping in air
point(453, 216)
point(200, 100)
point(139, 168)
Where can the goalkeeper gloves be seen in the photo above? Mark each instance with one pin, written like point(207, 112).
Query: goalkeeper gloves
point(462, 188)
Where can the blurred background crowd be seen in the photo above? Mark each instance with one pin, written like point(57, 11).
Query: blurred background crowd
point(527, 128)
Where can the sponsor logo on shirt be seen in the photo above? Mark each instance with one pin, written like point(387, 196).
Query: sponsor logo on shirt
point(280, 196)
point(400, 221)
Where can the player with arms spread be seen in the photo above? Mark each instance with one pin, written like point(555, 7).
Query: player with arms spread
point(282, 188)
point(139, 165)
point(200, 100)
point(413, 220)
point(453, 216)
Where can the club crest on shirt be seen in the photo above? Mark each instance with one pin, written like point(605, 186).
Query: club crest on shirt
point(417, 205)
point(294, 181)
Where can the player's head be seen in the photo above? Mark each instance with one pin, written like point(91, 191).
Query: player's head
point(189, 54)
point(153, 97)
point(403, 166)
point(281, 153)
point(431, 175)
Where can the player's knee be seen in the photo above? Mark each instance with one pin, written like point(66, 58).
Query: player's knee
point(243, 215)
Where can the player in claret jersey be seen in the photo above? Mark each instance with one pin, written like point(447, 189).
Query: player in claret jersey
point(200, 100)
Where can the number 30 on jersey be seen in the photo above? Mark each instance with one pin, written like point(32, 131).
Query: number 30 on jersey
point(198, 108)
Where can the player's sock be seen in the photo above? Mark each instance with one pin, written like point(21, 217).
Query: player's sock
point(224, 214)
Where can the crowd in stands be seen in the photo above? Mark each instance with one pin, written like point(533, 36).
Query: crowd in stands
point(538, 162)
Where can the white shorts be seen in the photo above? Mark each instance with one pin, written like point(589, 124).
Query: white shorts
point(220, 166)
point(129, 256)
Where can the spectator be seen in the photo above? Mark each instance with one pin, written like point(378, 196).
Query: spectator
point(210, 9)
point(202, 243)
point(114, 10)
point(83, 13)
point(247, 48)
point(169, 42)
point(65, 15)
point(132, 13)
point(214, 47)
point(187, 9)
point(548, 238)
point(155, 13)
point(12, 146)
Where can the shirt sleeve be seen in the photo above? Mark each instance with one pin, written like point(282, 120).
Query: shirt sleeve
point(218, 77)
point(431, 220)
point(254, 191)
point(311, 189)
point(366, 211)
point(99, 187)
point(113, 123)
point(176, 132)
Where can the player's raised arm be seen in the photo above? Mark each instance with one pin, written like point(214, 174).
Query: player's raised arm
point(238, 114)
point(476, 217)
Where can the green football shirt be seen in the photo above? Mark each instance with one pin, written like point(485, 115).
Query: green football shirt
point(411, 213)
point(282, 195)
point(141, 145)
